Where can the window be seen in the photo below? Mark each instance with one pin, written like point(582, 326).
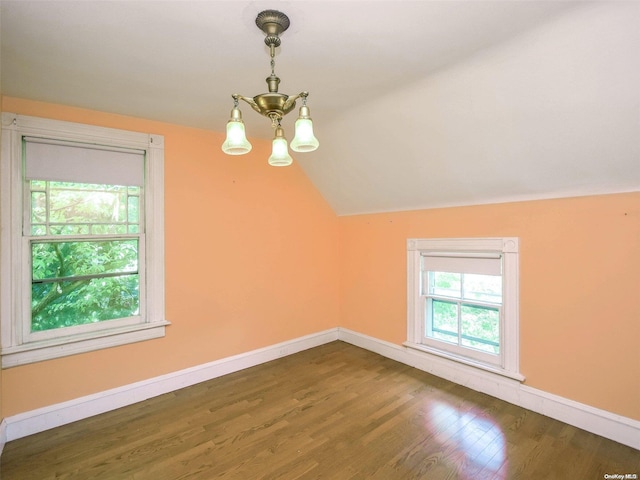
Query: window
point(83, 264)
point(463, 301)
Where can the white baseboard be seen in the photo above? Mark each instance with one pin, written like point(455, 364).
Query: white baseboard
point(41, 419)
point(3, 434)
point(600, 422)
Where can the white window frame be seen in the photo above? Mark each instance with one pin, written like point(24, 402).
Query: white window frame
point(16, 348)
point(507, 363)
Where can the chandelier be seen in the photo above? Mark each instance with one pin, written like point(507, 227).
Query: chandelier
point(273, 104)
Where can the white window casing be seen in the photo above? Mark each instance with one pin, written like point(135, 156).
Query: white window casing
point(488, 256)
point(139, 160)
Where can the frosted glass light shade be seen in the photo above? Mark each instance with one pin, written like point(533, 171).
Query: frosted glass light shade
point(304, 140)
point(236, 142)
point(280, 153)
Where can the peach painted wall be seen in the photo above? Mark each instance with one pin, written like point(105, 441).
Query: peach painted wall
point(254, 256)
point(579, 286)
point(251, 260)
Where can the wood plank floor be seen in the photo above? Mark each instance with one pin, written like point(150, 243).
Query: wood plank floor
point(333, 412)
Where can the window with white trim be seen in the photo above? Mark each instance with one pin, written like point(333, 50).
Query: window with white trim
point(82, 235)
point(463, 301)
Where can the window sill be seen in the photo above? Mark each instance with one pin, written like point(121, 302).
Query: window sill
point(64, 346)
point(465, 361)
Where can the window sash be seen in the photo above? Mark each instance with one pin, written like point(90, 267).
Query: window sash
point(485, 265)
point(456, 343)
point(463, 292)
point(429, 322)
point(82, 329)
point(132, 197)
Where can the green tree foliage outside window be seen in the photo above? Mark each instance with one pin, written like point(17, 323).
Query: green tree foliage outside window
point(464, 309)
point(84, 253)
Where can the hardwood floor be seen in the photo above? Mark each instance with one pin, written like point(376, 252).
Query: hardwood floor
point(334, 412)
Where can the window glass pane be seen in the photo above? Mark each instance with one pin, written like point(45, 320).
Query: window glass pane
point(70, 303)
point(37, 230)
point(83, 282)
point(480, 328)
point(444, 320)
point(38, 207)
point(445, 284)
point(86, 203)
point(71, 259)
point(485, 288)
point(100, 209)
point(134, 209)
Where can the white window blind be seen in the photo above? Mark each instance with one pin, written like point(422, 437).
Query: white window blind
point(480, 264)
point(82, 163)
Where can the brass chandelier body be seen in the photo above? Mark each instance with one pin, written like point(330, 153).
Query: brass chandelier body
point(273, 104)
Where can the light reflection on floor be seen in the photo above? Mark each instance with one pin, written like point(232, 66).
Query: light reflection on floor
point(473, 436)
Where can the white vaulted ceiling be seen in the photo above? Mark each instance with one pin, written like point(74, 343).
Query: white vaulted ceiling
point(417, 104)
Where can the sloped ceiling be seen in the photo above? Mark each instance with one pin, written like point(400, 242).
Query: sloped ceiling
point(417, 104)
